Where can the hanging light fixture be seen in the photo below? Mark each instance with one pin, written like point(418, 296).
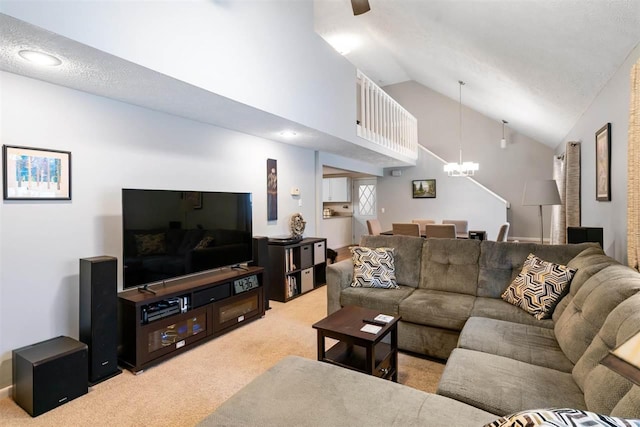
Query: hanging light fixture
point(503, 141)
point(461, 168)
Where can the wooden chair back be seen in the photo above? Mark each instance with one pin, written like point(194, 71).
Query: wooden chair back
point(422, 223)
point(441, 231)
point(406, 229)
point(373, 225)
point(462, 226)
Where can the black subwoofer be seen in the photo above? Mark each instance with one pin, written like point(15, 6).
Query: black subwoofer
point(99, 315)
point(49, 374)
point(585, 234)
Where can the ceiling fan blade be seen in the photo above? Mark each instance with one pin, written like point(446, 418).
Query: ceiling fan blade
point(360, 6)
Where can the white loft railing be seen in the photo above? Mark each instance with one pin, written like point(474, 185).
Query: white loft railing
point(383, 121)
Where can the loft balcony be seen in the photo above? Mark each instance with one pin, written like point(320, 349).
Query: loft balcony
point(384, 122)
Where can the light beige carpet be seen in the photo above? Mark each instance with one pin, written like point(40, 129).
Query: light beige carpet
point(183, 390)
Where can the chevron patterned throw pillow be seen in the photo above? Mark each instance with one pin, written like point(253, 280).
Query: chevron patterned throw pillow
point(562, 417)
point(373, 268)
point(539, 286)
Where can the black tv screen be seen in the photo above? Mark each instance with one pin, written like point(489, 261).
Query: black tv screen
point(168, 234)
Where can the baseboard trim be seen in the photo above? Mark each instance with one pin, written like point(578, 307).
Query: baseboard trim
point(5, 392)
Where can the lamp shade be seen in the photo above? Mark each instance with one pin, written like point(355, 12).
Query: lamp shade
point(541, 192)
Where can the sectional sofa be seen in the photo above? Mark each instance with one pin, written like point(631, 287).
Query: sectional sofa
point(500, 359)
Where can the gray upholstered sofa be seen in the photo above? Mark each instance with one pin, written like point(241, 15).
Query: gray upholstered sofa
point(500, 358)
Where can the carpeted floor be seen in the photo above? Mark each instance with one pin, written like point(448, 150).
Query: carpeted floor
point(183, 390)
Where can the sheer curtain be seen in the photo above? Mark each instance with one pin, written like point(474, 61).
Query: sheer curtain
point(633, 171)
point(566, 172)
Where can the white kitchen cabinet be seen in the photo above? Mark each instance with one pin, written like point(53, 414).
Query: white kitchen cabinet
point(336, 189)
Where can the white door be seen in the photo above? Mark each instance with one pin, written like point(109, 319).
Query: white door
point(364, 206)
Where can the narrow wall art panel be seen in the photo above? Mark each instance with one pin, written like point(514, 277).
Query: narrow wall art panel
point(272, 189)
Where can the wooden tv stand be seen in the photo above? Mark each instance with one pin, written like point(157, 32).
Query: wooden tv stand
point(212, 304)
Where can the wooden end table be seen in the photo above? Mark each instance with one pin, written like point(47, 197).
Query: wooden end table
point(358, 350)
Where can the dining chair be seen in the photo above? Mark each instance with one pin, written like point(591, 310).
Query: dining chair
point(441, 231)
point(422, 223)
point(504, 231)
point(374, 227)
point(408, 229)
point(462, 227)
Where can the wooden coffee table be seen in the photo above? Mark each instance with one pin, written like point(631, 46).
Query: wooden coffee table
point(358, 350)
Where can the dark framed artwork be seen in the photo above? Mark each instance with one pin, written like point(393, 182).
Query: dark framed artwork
point(603, 163)
point(272, 190)
point(36, 173)
point(193, 199)
point(423, 189)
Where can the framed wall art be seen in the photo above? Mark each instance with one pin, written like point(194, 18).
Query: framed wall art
point(423, 189)
point(603, 163)
point(36, 173)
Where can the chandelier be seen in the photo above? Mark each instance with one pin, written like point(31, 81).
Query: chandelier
point(461, 168)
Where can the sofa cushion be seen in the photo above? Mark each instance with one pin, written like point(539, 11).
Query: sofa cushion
point(538, 287)
point(501, 385)
point(604, 388)
point(629, 405)
point(589, 308)
point(500, 262)
point(496, 308)
point(407, 256)
point(386, 301)
point(587, 263)
point(436, 308)
point(527, 343)
point(303, 392)
point(559, 417)
point(373, 267)
point(450, 265)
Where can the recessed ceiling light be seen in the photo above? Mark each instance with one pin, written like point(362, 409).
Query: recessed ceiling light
point(39, 58)
point(288, 133)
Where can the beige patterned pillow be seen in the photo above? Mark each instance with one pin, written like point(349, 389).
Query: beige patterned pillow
point(539, 286)
point(373, 268)
point(150, 244)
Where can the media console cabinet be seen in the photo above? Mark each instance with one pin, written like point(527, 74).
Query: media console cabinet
point(184, 313)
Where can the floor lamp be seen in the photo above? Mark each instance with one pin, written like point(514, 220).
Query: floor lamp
point(541, 193)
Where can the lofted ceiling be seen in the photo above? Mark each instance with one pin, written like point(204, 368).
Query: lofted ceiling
point(93, 71)
point(538, 64)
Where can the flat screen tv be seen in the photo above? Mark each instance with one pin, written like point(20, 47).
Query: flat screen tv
point(167, 233)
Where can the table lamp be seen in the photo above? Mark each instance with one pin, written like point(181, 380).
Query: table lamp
point(541, 193)
point(625, 359)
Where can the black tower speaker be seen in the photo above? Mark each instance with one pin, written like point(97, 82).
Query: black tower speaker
point(99, 316)
point(261, 259)
point(585, 234)
point(49, 374)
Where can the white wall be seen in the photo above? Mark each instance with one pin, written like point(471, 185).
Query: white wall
point(114, 145)
point(262, 53)
point(503, 171)
point(610, 106)
point(456, 198)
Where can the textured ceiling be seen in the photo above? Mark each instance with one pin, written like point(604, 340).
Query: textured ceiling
point(91, 70)
point(536, 63)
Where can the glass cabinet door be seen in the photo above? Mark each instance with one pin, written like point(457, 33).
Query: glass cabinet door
point(176, 332)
